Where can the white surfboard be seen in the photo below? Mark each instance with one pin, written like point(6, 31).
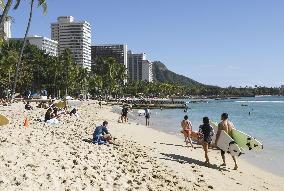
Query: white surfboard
point(74, 103)
point(225, 142)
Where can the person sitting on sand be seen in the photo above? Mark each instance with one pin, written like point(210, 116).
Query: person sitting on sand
point(74, 112)
point(28, 106)
point(227, 126)
point(101, 134)
point(186, 130)
point(55, 113)
point(207, 132)
point(48, 115)
point(51, 117)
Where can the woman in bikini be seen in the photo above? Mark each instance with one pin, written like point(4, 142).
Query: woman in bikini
point(186, 130)
point(207, 132)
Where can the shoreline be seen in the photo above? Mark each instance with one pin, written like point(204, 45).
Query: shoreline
point(196, 157)
point(248, 156)
point(46, 157)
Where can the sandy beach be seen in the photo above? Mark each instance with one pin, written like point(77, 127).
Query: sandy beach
point(61, 157)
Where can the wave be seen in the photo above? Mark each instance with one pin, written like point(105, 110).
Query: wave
point(259, 101)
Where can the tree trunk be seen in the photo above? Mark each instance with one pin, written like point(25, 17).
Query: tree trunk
point(22, 51)
point(4, 16)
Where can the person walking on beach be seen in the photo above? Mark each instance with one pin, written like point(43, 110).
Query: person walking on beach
point(227, 126)
point(186, 130)
point(124, 112)
point(147, 116)
point(207, 132)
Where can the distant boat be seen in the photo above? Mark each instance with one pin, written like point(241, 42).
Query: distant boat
point(244, 105)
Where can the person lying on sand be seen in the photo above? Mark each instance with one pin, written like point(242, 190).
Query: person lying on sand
point(207, 132)
point(186, 130)
point(101, 134)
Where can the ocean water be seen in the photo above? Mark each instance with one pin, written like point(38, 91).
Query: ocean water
point(262, 118)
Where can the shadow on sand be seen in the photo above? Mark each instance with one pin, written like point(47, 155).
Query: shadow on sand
point(88, 140)
point(170, 144)
point(196, 145)
point(183, 159)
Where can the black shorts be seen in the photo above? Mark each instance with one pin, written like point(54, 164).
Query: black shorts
point(147, 116)
point(124, 115)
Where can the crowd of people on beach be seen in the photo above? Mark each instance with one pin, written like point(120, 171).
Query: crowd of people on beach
point(102, 135)
point(5, 102)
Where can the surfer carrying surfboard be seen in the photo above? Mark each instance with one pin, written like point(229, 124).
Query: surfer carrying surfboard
point(227, 126)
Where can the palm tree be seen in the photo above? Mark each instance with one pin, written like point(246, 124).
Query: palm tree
point(43, 4)
point(4, 16)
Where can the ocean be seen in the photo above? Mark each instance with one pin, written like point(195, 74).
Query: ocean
point(260, 117)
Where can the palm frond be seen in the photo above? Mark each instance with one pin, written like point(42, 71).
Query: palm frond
point(43, 4)
point(17, 4)
point(2, 4)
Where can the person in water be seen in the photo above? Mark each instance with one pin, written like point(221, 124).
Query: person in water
point(147, 116)
point(227, 126)
point(206, 130)
point(186, 130)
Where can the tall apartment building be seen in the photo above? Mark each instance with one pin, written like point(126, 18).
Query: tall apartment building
point(139, 68)
point(73, 35)
point(43, 43)
point(116, 51)
point(282, 87)
point(147, 74)
point(7, 28)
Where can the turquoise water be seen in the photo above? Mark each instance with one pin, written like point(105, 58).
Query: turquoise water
point(265, 123)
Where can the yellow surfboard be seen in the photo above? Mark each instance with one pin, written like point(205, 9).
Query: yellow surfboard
point(3, 120)
point(60, 104)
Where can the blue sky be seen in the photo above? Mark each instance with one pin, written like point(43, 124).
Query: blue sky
point(217, 42)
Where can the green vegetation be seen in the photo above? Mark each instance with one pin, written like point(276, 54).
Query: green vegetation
point(107, 77)
point(61, 75)
point(40, 71)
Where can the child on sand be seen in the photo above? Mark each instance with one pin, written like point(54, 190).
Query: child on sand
point(207, 132)
point(186, 130)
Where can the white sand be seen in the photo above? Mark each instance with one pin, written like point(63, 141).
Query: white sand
point(46, 157)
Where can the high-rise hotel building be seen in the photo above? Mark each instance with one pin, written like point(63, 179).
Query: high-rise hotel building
point(139, 68)
point(116, 51)
point(43, 43)
point(73, 35)
point(7, 27)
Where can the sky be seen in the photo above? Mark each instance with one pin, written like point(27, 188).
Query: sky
point(216, 42)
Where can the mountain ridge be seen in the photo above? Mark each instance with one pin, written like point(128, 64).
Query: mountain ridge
point(162, 74)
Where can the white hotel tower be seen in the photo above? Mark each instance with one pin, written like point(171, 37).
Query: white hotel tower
point(73, 35)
